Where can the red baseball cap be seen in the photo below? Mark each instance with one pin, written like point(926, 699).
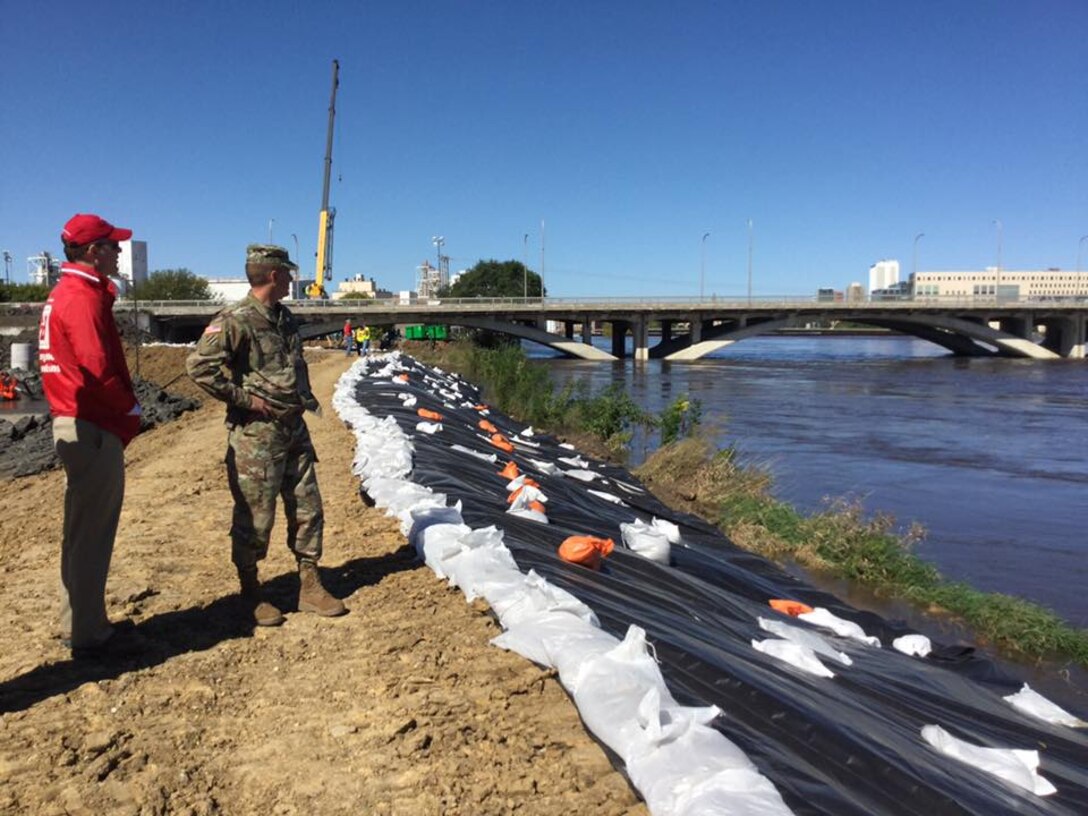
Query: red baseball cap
point(84, 228)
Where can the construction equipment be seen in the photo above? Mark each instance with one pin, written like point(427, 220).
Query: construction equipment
point(328, 215)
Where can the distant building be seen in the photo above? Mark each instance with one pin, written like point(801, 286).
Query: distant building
point(358, 285)
point(897, 291)
point(829, 296)
point(132, 262)
point(855, 293)
point(228, 290)
point(883, 274)
point(1005, 284)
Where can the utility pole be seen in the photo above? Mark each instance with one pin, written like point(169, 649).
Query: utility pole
point(7, 266)
point(525, 262)
point(702, 263)
point(541, 260)
point(749, 260)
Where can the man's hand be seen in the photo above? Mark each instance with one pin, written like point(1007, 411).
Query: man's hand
point(259, 405)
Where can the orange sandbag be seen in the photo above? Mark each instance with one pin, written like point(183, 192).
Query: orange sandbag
point(428, 414)
point(481, 407)
point(791, 608)
point(401, 378)
point(510, 471)
point(585, 550)
point(484, 425)
point(501, 442)
point(538, 507)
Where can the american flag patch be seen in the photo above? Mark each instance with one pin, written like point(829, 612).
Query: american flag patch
point(213, 329)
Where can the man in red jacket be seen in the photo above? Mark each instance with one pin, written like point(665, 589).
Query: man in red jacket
point(95, 415)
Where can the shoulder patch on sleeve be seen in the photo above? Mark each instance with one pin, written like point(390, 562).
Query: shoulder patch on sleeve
point(213, 328)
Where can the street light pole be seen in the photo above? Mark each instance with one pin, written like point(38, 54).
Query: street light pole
point(749, 260)
point(7, 266)
point(702, 263)
point(525, 263)
point(271, 221)
point(914, 257)
point(1000, 229)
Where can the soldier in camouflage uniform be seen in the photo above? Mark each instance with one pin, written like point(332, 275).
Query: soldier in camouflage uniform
point(250, 357)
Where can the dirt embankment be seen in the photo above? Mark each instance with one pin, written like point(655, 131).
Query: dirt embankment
point(400, 707)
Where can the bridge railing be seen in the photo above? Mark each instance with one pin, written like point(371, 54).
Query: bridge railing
point(760, 302)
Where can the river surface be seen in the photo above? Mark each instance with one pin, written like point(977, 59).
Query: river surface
point(989, 455)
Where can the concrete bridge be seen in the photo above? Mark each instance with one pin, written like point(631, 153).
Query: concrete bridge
point(692, 328)
point(688, 328)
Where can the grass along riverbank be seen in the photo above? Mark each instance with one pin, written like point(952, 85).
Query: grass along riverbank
point(691, 474)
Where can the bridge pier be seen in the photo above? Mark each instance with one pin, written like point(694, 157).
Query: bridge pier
point(587, 331)
point(641, 334)
point(1065, 336)
point(619, 338)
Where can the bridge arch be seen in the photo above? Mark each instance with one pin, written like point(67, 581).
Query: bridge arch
point(962, 337)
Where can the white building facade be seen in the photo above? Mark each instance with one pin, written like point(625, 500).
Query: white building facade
point(1007, 284)
point(883, 274)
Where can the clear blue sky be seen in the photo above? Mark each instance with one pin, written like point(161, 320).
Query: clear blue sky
point(842, 129)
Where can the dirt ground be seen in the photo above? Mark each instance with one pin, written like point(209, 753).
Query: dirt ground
point(400, 707)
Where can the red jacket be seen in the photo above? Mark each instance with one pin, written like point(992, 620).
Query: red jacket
point(84, 373)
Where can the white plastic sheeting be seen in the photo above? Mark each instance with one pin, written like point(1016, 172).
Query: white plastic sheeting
point(679, 764)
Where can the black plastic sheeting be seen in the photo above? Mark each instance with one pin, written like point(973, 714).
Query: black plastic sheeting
point(843, 746)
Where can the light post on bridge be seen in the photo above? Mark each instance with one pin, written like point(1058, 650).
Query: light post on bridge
point(525, 263)
point(7, 266)
point(997, 284)
point(271, 221)
point(914, 256)
point(702, 263)
point(749, 261)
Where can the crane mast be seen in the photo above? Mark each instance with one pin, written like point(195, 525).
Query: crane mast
point(327, 215)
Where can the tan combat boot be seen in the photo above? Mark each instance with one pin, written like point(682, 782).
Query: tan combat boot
point(264, 613)
point(312, 596)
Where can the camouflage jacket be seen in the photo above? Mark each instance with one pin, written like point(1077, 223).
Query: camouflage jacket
point(253, 349)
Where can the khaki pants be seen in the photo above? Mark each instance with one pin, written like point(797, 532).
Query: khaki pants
point(94, 464)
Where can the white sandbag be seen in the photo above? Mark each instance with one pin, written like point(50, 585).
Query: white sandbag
point(805, 637)
point(574, 461)
point(523, 443)
point(527, 638)
point(581, 475)
point(532, 515)
point(533, 596)
point(567, 446)
point(646, 540)
point(913, 645)
point(487, 457)
point(429, 427)
point(795, 654)
point(843, 628)
point(608, 497)
point(702, 773)
point(547, 468)
point(526, 432)
point(671, 531)
point(1017, 766)
point(1036, 705)
point(436, 543)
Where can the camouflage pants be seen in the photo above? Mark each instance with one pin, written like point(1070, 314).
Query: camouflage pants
point(266, 459)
